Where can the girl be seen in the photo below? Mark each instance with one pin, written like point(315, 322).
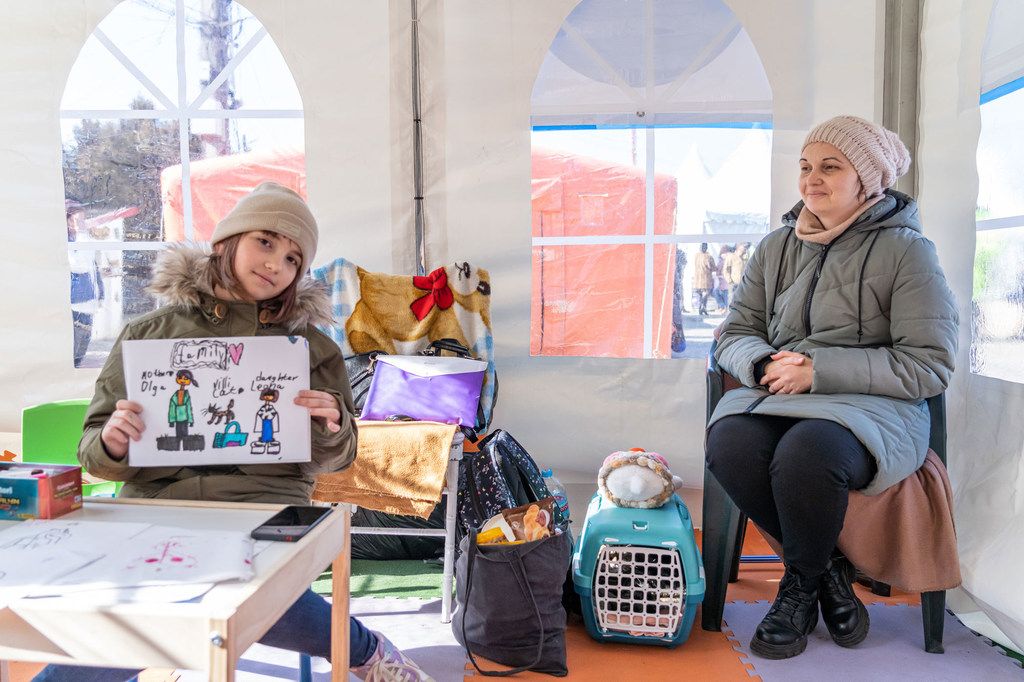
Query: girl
point(251, 284)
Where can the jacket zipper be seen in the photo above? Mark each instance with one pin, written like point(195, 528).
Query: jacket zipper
point(810, 290)
point(750, 408)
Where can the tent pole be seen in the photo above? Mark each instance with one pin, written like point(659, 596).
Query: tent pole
point(417, 145)
point(900, 79)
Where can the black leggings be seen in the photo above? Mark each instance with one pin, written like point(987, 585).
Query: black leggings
point(792, 477)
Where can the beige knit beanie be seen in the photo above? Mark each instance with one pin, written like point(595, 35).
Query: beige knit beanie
point(273, 208)
point(877, 154)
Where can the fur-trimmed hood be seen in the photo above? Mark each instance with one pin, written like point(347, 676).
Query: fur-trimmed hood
point(183, 275)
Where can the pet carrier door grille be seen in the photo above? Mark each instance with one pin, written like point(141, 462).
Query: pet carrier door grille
point(640, 590)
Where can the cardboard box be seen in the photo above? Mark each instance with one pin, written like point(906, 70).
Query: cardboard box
point(38, 491)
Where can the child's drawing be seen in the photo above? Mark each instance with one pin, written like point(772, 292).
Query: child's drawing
point(179, 415)
point(232, 377)
point(215, 413)
point(165, 553)
point(267, 424)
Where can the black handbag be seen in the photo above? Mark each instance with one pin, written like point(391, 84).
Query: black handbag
point(508, 603)
point(360, 373)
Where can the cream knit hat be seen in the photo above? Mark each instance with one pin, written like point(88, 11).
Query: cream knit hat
point(877, 154)
point(273, 208)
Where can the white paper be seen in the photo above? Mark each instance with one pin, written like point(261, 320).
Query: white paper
point(35, 553)
point(433, 365)
point(213, 401)
point(163, 556)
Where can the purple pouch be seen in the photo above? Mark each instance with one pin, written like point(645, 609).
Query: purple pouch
point(429, 388)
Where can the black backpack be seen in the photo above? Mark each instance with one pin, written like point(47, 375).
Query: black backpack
point(500, 476)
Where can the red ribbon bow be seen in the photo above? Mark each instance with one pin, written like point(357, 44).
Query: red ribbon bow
point(438, 293)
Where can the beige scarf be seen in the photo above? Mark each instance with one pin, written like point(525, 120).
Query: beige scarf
point(810, 229)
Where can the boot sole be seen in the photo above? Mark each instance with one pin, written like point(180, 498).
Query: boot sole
point(857, 636)
point(777, 652)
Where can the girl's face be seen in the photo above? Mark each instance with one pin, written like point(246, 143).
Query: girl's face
point(829, 184)
point(265, 264)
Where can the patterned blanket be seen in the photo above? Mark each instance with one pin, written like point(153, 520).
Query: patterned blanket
point(402, 314)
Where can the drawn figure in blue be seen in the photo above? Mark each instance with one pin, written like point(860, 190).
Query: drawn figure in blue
point(179, 412)
point(267, 424)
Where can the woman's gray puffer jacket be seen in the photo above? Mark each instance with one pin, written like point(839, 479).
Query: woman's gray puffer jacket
point(874, 313)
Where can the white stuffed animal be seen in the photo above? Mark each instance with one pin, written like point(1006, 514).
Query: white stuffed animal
point(638, 479)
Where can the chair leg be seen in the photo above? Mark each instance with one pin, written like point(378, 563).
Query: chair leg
point(933, 613)
point(718, 546)
point(741, 533)
point(305, 668)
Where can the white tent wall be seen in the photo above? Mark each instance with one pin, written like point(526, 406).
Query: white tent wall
point(986, 435)
point(350, 61)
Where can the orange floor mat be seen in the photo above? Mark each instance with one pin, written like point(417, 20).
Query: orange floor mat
point(703, 656)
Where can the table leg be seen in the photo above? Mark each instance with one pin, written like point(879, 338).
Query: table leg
point(340, 573)
point(223, 656)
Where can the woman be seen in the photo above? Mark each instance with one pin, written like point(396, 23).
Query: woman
point(842, 326)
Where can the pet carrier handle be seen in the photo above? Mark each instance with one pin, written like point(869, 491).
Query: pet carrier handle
point(519, 571)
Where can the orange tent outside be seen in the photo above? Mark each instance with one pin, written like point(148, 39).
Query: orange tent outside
point(588, 299)
point(218, 183)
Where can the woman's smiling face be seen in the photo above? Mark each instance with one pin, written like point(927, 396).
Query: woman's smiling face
point(829, 184)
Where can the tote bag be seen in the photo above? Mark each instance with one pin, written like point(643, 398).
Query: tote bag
point(509, 603)
point(424, 387)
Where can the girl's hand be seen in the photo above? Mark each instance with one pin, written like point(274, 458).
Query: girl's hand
point(124, 424)
point(323, 408)
point(788, 372)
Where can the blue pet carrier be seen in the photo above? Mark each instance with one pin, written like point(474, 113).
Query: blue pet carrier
point(638, 573)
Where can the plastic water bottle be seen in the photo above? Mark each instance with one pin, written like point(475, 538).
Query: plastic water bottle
point(557, 491)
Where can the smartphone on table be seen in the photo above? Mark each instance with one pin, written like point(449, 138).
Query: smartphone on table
point(290, 524)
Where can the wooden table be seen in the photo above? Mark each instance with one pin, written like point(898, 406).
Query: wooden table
point(209, 634)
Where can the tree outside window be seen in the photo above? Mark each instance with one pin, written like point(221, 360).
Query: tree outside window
point(997, 319)
point(172, 111)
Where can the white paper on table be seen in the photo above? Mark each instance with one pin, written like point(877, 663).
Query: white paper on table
point(21, 574)
point(36, 553)
point(226, 400)
point(163, 556)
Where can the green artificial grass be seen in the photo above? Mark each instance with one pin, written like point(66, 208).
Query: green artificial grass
point(393, 578)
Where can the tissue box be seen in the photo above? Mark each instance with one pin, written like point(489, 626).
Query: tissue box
point(38, 491)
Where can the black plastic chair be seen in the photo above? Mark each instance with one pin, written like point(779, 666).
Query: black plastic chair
point(724, 525)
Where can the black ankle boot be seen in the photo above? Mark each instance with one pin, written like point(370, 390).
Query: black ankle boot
point(783, 632)
point(844, 614)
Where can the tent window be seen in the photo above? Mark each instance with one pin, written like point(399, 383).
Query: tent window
point(997, 340)
point(172, 111)
point(651, 135)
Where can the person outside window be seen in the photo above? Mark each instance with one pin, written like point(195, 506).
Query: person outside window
point(86, 280)
point(703, 277)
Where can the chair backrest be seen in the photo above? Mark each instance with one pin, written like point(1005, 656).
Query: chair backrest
point(50, 433)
